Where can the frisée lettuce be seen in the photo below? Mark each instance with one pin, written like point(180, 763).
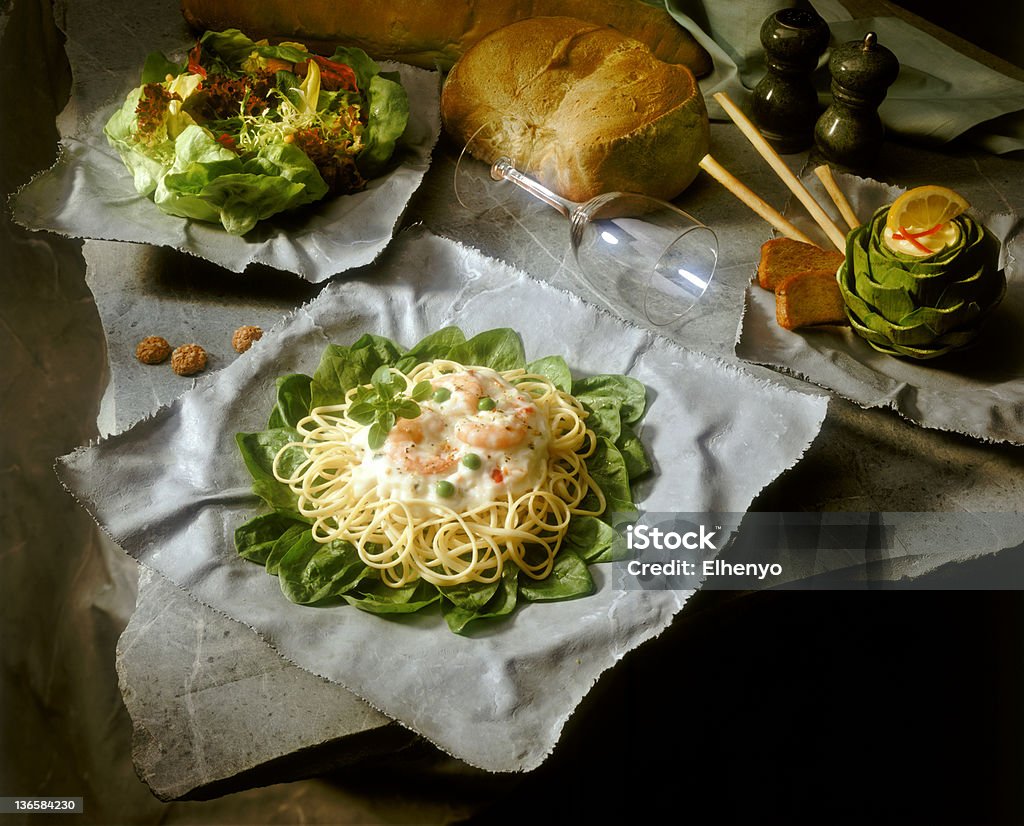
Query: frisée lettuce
point(244, 130)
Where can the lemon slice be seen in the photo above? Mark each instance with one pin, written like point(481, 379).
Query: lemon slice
point(924, 207)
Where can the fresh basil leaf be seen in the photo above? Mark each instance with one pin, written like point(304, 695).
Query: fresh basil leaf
point(554, 369)
point(386, 420)
point(375, 438)
point(569, 578)
point(422, 391)
point(258, 451)
point(284, 544)
point(408, 409)
point(594, 540)
point(378, 598)
point(502, 602)
point(500, 349)
point(362, 413)
point(293, 400)
point(255, 539)
point(312, 571)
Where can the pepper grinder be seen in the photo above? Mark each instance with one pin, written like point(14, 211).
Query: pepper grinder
point(785, 104)
point(850, 132)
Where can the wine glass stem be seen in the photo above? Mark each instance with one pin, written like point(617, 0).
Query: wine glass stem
point(503, 170)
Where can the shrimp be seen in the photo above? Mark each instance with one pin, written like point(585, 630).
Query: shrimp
point(466, 392)
point(497, 431)
point(416, 445)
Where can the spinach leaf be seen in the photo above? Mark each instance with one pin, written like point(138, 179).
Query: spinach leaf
point(284, 544)
point(258, 452)
point(568, 579)
point(311, 571)
point(435, 346)
point(499, 349)
point(594, 540)
point(554, 369)
point(633, 453)
point(342, 368)
point(502, 602)
point(378, 598)
point(255, 539)
point(471, 595)
point(608, 469)
point(294, 399)
point(605, 390)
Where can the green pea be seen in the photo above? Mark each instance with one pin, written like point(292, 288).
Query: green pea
point(442, 394)
point(486, 403)
point(472, 461)
point(444, 489)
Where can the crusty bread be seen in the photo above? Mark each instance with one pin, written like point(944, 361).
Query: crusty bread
point(783, 257)
point(808, 298)
point(429, 33)
point(579, 107)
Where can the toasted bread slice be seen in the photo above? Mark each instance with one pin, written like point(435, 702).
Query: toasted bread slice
point(783, 257)
point(808, 298)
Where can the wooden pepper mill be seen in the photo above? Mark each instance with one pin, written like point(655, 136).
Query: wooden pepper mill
point(850, 132)
point(785, 105)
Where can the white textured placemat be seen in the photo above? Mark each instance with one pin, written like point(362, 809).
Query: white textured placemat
point(172, 489)
point(978, 392)
point(89, 193)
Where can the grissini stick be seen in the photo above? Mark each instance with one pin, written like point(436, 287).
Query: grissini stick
point(824, 173)
point(835, 235)
point(751, 199)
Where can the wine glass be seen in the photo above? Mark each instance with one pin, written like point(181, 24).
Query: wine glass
point(644, 258)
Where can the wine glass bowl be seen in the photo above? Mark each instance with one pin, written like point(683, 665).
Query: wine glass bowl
point(643, 258)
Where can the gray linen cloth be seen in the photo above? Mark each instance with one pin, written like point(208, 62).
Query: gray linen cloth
point(172, 489)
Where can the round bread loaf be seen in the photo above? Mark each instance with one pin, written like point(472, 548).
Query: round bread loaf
point(579, 107)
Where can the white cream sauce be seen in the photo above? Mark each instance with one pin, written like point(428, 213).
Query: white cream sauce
point(510, 440)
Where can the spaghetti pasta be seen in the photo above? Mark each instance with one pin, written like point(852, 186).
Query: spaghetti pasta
point(489, 473)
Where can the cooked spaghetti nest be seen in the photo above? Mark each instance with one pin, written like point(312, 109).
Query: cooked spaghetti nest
point(490, 472)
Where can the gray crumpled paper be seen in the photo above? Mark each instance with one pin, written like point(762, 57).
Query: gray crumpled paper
point(978, 392)
point(88, 193)
point(172, 489)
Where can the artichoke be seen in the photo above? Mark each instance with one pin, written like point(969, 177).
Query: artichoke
point(920, 307)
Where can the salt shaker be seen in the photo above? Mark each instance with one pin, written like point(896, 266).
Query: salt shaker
point(850, 132)
point(785, 105)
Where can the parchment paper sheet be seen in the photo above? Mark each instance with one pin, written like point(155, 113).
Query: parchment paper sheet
point(88, 193)
point(172, 489)
point(978, 392)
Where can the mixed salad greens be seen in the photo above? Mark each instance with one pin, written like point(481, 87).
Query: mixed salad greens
point(312, 573)
point(243, 130)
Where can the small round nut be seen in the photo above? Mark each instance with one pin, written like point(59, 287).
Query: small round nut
point(188, 359)
point(244, 337)
point(152, 350)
